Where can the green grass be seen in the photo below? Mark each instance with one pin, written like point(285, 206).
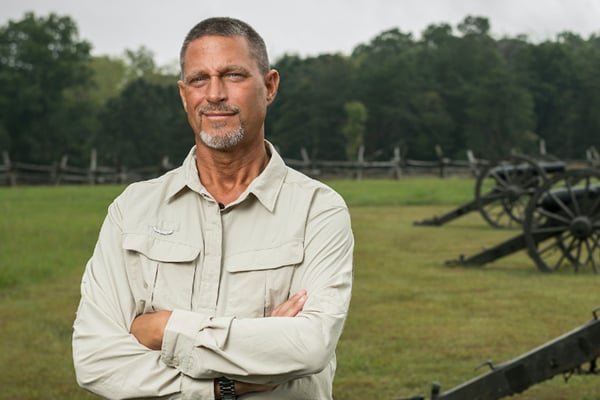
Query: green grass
point(412, 320)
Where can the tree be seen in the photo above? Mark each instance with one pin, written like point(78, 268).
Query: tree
point(142, 125)
point(309, 109)
point(500, 116)
point(109, 78)
point(354, 128)
point(555, 90)
point(42, 64)
point(387, 86)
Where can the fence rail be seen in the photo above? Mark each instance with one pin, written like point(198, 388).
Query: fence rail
point(18, 173)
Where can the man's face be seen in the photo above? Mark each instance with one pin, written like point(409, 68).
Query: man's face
point(223, 92)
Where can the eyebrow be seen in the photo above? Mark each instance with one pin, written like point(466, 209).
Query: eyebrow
point(220, 71)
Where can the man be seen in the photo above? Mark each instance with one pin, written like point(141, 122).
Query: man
point(230, 276)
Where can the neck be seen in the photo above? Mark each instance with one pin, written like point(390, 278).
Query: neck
point(227, 174)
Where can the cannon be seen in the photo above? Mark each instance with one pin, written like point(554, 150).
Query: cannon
point(573, 352)
point(502, 191)
point(561, 226)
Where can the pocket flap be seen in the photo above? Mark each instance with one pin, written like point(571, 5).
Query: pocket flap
point(160, 249)
point(289, 253)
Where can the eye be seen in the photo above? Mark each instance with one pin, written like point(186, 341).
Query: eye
point(196, 81)
point(235, 76)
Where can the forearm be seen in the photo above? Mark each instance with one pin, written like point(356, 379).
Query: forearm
point(262, 351)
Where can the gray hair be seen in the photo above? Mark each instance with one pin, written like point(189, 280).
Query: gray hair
point(228, 27)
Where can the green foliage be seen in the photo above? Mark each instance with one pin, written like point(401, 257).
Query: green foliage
point(109, 78)
point(308, 110)
point(42, 62)
point(143, 124)
point(354, 128)
point(456, 88)
point(497, 123)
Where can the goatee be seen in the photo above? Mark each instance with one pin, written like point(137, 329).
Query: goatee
point(222, 141)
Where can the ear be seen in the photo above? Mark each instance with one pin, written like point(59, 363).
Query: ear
point(272, 84)
point(182, 94)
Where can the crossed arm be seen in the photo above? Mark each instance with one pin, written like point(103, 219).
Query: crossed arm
point(113, 358)
point(149, 330)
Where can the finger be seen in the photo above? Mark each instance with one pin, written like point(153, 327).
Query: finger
point(292, 306)
point(283, 309)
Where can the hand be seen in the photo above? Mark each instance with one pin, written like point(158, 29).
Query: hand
point(292, 306)
point(149, 328)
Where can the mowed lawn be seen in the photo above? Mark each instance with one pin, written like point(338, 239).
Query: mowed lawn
point(412, 321)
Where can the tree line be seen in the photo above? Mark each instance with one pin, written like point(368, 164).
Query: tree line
point(457, 88)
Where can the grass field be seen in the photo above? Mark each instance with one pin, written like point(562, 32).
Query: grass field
point(412, 320)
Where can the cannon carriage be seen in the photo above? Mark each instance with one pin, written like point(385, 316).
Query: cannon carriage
point(576, 351)
point(561, 226)
point(503, 190)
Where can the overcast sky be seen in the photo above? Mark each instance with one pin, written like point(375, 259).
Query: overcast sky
point(304, 27)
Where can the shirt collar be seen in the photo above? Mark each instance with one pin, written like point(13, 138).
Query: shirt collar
point(265, 187)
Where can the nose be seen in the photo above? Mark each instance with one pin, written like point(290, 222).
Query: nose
point(216, 91)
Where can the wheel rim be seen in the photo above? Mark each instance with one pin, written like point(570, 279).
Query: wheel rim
point(503, 190)
point(562, 223)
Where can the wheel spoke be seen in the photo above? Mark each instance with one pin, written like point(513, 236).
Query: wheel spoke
point(548, 229)
point(553, 216)
point(574, 200)
point(550, 246)
point(591, 251)
point(561, 204)
point(595, 205)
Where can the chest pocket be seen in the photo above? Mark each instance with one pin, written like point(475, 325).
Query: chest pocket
point(259, 280)
point(161, 271)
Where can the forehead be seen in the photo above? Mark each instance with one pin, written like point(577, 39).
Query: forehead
point(216, 52)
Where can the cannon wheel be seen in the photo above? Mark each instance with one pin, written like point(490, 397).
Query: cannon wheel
point(503, 190)
point(567, 234)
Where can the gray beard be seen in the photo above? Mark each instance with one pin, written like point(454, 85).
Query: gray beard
point(224, 141)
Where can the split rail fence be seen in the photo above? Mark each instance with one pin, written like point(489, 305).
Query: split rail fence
point(19, 173)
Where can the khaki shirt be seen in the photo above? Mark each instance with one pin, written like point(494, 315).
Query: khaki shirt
point(166, 245)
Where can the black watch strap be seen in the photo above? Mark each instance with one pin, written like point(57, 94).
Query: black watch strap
point(227, 389)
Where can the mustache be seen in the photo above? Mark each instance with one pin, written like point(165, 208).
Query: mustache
point(218, 108)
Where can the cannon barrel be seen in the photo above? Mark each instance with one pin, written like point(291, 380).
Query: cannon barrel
point(556, 199)
point(548, 167)
point(501, 191)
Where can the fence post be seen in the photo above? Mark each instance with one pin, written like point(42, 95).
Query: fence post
point(593, 157)
point(542, 147)
point(397, 160)
point(361, 160)
point(440, 154)
point(307, 164)
point(93, 167)
point(62, 166)
point(11, 173)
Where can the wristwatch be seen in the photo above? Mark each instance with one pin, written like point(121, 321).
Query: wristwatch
point(227, 389)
